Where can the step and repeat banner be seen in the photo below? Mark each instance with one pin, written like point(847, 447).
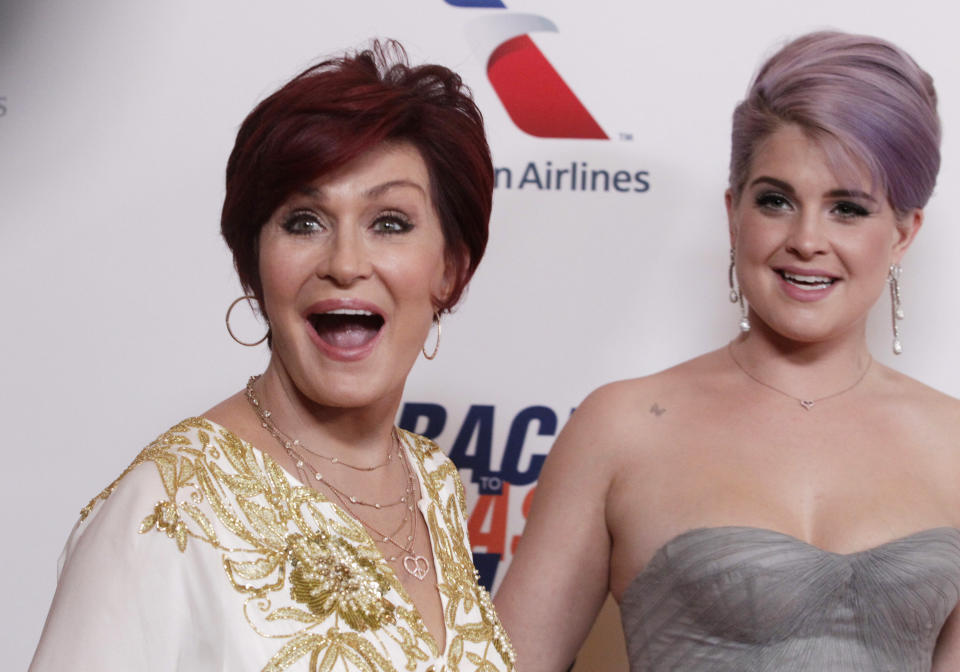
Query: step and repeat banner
point(609, 126)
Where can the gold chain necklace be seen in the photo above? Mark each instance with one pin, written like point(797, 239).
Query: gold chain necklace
point(806, 404)
point(265, 415)
point(413, 563)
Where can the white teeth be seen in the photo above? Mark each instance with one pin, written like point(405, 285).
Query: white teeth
point(809, 286)
point(807, 278)
point(807, 282)
point(349, 311)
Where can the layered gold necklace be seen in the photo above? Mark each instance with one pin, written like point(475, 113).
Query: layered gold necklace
point(413, 563)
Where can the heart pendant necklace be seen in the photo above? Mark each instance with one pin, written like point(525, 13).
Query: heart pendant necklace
point(413, 563)
point(805, 404)
point(416, 565)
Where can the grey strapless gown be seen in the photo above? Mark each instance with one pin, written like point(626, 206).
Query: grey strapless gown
point(744, 599)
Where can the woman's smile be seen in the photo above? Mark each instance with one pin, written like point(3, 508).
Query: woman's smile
point(353, 268)
point(812, 248)
point(806, 285)
point(345, 329)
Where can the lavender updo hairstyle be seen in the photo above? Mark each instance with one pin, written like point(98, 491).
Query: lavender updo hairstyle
point(865, 100)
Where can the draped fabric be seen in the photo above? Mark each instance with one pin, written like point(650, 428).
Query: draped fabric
point(741, 598)
point(206, 555)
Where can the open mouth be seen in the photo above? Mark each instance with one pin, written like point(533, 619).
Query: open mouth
point(346, 328)
point(807, 282)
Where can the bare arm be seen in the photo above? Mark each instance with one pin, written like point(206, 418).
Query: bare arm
point(946, 655)
point(559, 577)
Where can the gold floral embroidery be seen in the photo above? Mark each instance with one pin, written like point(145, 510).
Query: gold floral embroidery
point(332, 576)
point(166, 519)
point(283, 544)
point(460, 583)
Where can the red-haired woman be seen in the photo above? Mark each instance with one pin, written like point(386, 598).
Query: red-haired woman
point(292, 526)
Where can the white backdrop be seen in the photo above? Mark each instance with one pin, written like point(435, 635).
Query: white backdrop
point(116, 119)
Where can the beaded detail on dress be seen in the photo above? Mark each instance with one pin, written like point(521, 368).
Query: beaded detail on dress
point(743, 598)
point(305, 574)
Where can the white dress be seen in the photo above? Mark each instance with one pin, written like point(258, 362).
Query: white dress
point(206, 555)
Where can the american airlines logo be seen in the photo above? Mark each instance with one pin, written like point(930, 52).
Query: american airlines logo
point(533, 93)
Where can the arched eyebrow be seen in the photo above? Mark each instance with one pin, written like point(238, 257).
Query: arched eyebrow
point(787, 188)
point(379, 189)
point(774, 182)
point(372, 192)
point(851, 193)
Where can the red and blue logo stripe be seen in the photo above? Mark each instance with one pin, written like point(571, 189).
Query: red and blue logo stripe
point(535, 96)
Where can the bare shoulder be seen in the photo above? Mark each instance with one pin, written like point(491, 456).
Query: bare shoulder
point(625, 415)
point(920, 406)
point(639, 402)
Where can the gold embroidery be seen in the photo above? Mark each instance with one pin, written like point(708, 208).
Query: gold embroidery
point(331, 575)
point(166, 519)
point(310, 572)
point(460, 578)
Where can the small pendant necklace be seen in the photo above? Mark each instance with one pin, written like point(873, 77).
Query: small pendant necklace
point(268, 424)
point(413, 563)
point(806, 404)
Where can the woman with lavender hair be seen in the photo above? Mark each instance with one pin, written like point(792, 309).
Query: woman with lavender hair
point(784, 502)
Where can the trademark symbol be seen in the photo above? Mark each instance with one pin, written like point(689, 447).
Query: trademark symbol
point(628, 137)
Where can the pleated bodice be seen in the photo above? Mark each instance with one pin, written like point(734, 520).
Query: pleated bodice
point(743, 598)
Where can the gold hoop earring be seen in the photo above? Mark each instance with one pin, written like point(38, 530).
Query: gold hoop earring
point(230, 331)
point(436, 347)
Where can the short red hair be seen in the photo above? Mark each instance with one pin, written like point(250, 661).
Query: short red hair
point(338, 110)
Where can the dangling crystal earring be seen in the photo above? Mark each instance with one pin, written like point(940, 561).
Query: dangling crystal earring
point(736, 296)
point(896, 308)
